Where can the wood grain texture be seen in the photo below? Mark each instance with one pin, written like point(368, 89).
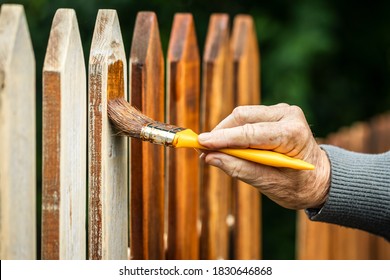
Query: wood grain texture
point(183, 165)
point(313, 239)
point(64, 142)
point(217, 103)
point(17, 140)
point(147, 161)
point(108, 154)
point(246, 87)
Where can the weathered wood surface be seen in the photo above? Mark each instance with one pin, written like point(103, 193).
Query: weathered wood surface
point(246, 87)
point(108, 154)
point(217, 103)
point(147, 160)
point(183, 165)
point(64, 142)
point(17, 140)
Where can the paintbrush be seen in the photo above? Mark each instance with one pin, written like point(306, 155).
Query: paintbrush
point(131, 122)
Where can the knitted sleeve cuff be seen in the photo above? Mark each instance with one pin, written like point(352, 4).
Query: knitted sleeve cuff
point(359, 195)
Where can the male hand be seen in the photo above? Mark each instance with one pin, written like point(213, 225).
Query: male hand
point(281, 128)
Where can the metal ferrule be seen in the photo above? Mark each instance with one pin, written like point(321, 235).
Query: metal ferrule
point(160, 133)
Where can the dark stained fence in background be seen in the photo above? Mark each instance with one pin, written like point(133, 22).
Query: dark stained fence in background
point(327, 241)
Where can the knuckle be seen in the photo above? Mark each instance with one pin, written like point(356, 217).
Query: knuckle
point(236, 171)
point(239, 113)
point(293, 131)
point(249, 134)
point(283, 104)
point(296, 110)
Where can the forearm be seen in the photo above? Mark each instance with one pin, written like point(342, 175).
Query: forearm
point(359, 194)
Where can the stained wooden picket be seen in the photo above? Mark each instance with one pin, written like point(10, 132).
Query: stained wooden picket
point(147, 160)
point(64, 142)
point(217, 103)
point(183, 94)
point(246, 89)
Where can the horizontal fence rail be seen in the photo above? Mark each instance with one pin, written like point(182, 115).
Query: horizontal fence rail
point(107, 197)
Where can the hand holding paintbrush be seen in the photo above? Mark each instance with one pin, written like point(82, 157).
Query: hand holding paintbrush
point(131, 122)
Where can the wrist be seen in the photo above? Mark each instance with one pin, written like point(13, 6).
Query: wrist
point(322, 182)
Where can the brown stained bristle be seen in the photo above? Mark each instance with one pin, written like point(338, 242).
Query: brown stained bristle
point(127, 120)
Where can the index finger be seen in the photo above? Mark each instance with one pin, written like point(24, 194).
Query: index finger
point(252, 114)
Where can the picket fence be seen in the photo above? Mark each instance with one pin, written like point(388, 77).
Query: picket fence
point(103, 196)
point(107, 197)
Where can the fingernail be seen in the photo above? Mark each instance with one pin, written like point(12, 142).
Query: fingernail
point(215, 162)
point(204, 136)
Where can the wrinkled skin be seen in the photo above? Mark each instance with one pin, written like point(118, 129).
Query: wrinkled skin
point(281, 128)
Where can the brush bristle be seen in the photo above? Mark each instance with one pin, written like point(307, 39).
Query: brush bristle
point(127, 120)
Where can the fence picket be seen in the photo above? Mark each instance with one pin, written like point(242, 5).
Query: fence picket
point(183, 166)
point(17, 130)
point(64, 142)
point(246, 87)
point(308, 235)
point(217, 103)
point(108, 222)
point(147, 160)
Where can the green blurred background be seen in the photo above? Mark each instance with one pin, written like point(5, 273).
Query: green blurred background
point(329, 57)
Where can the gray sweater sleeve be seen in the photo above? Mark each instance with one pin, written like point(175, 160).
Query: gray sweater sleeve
point(359, 195)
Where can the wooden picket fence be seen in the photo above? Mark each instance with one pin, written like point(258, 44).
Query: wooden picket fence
point(327, 241)
point(107, 197)
point(104, 196)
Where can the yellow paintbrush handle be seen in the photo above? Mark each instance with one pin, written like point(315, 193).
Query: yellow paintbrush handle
point(189, 139)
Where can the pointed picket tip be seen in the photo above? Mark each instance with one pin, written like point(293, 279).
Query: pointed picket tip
point(14, 32)
point(183, 45)
point(217, 35)
point(146, 38)
point(243, 35)
point(107, 46)
point(64, 39)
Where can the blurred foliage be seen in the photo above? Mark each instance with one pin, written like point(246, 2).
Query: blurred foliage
point(329, 57)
